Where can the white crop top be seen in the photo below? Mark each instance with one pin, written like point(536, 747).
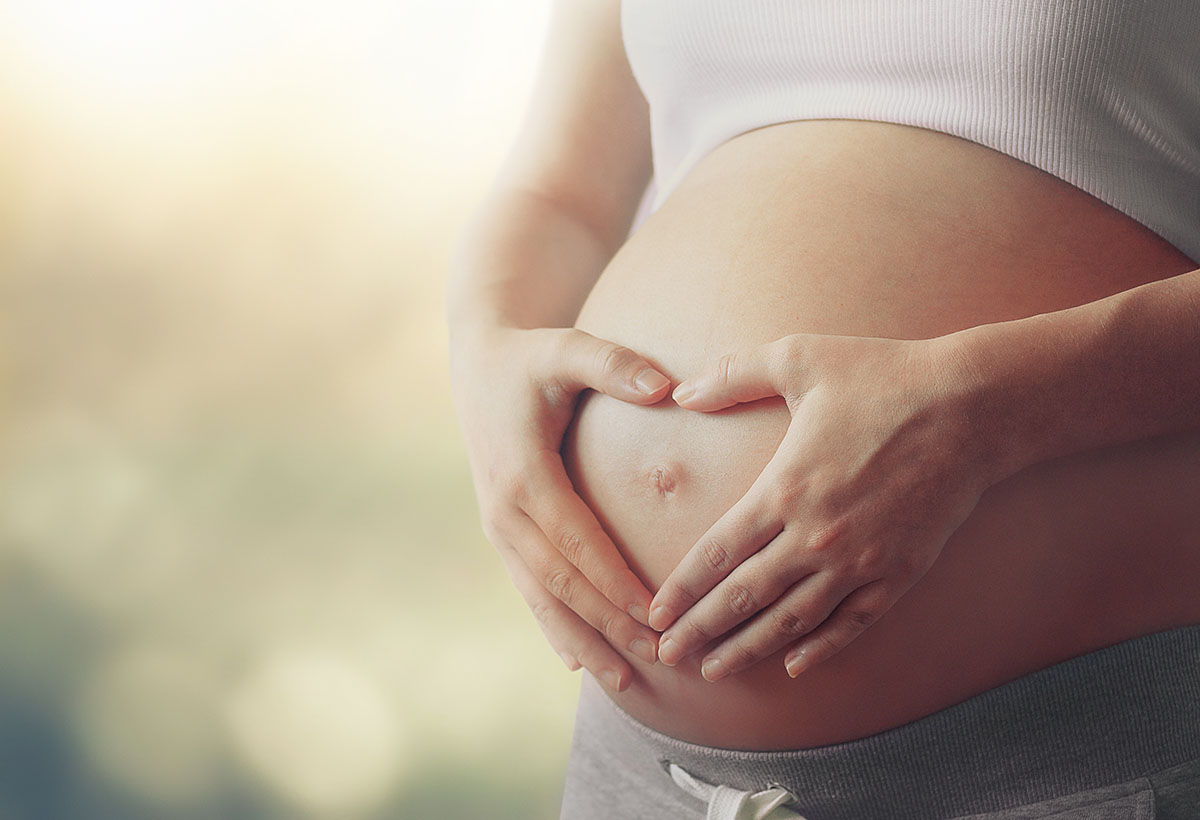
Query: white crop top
point(1104, 94)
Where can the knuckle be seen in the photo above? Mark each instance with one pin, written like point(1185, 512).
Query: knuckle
point(570, 544)
point(826, 537)
point(556, 389)
point(519, 492)
point(723, 369)
point(697, 633)
point(782, 357)
point(490, 514)
point(787, 622)
point(777, 357)
point(859, 618)
point(561, 584)
point(870, 562)
point(611, 359)
point(740, 655)
point(714, 556)
point(504, 481)
point(828, 645)
point(495, 519)
point(909, 565)
point(510, 486)
point(609, 625)
point(739, 599)
point(800, 348)
point(788, 496)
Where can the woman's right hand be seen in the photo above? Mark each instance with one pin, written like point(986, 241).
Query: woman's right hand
point(516, 391)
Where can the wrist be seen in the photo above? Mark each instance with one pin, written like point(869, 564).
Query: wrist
point(983, 405)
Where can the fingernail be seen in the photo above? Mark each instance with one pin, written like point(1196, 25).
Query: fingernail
point(658, 618)
point(668, 652)
point(638, 613)
point(569, 660)
point(713, 669)
point(643, 648)
point(650, 381)
point(612, 679)
point(796, 665)
point(683, 392)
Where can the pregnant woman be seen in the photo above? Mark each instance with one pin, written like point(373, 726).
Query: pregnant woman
point(860, 467)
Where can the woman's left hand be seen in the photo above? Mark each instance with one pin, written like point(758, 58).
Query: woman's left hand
point(879, 466)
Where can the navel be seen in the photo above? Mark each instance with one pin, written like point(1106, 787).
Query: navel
point(663, 479)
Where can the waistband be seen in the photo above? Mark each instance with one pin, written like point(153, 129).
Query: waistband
point(1113, 715)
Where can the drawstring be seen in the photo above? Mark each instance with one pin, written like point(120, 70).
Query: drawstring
point(727, 803)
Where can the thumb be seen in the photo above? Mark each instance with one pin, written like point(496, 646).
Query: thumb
point(610, 368)
point(735, 378)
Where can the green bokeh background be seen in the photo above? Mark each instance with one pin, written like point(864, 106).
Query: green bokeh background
point(241, 570)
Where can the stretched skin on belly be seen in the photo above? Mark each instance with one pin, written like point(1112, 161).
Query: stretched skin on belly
point(872, 229)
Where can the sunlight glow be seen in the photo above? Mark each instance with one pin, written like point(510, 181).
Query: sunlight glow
point(318, 729)
point(234, 505)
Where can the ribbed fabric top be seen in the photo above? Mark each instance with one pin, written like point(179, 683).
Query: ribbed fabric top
point(1104, 94)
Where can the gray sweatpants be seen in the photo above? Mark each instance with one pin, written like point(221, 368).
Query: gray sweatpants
point(1110, 735)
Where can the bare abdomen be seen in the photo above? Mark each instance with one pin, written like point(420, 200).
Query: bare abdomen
point(880, 230)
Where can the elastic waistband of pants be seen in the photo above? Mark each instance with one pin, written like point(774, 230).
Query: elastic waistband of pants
point(1116, 714)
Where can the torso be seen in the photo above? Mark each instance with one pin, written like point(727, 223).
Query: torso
point(865, 228)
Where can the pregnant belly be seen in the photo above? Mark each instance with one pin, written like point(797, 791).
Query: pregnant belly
point(879, 230)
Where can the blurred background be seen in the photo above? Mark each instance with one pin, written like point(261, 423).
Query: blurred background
point(241, 571)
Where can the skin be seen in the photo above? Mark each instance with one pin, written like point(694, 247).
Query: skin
point(804, 544)
point(909, 434)
point(557, 213)
point(807, 554)
point(833, 585)
point(823, 234)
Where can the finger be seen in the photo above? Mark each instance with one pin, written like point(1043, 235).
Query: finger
point(737, 535)
point(577, 643)
point(566, 583)
point(797, 613)
point(853, 616)
point(776, 495)
point(583, 361)
point(570, 525)
point(754, 585)
point(748, 375)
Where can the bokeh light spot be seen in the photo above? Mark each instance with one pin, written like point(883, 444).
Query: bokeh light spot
point(318, 730)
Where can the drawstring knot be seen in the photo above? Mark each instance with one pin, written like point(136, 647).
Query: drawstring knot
point(728, 803)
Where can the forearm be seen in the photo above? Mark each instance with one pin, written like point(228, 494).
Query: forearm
point(524, 261)
point(521, 272)
point(1119, 369)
